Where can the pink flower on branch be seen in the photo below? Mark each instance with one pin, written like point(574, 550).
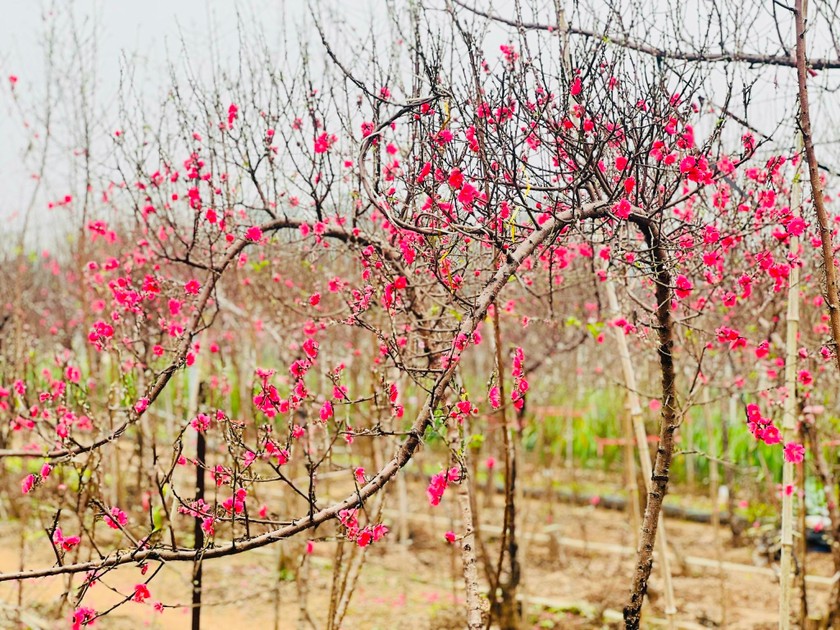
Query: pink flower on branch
point(794, 453)
point(141, 593)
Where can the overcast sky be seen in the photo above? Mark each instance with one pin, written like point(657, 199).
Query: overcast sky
point(150, 33)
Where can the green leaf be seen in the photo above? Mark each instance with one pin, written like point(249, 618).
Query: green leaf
point(157, 518)
point(595, 328)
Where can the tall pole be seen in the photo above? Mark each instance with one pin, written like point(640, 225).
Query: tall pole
point(790, 409)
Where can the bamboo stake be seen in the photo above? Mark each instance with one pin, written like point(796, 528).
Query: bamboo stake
point(789, 417)
point(801, 543)
point(730, 420)
point(630, 473)
point(644, 451)
point(714, 485)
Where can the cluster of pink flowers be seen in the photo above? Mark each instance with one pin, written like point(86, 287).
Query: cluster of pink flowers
point(100, 334)
point(683, 287)
point(236, 503)
point(440, 482)
point(233, 114)
point(141, 593)
point(32, 480)
point(731, 336)
point(390, 295)
point(115, 518)
point(202, 421)
point(83, 616)
point(762, 428)
point(63, 542)
point(393, 396)
point(461, 410)
point(495, 397)
point(361, 536)
point(520, 383)
point(200, 509)
point(254, 233)
point(324, 142)
point(326, 411)
point(269, 401)
point(462, 340)
point(281, 454)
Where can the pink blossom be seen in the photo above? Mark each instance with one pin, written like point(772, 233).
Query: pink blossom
point(201, 422)
point(83, 616)
point(141, 593)
point(794, 453)
point(64, 542)
point(683, 287)
point(771, 435)
point(359, 474)
point(324, 142)
point(622, 209)
point(28, 483)
point(116, 518)
point(495, 397)
point(310, 347)
point(439, 482)
point(326, 411)
point(233, 114)
point(72, 374)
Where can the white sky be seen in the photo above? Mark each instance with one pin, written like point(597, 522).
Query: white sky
point(149, 32)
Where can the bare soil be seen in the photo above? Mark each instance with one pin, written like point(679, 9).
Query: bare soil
point(418, 585)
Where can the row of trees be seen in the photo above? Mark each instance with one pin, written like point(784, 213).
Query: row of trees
point(384, 251)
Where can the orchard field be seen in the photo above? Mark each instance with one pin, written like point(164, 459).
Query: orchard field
point(420, 313)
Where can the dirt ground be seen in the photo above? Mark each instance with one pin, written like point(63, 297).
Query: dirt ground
point(577, 564)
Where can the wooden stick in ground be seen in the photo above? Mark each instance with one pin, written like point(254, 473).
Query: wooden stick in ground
point(644, 452)
point(714, 489)
point(789, 417)
point(801, 542)
point(730, 418)
point(630, 469)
